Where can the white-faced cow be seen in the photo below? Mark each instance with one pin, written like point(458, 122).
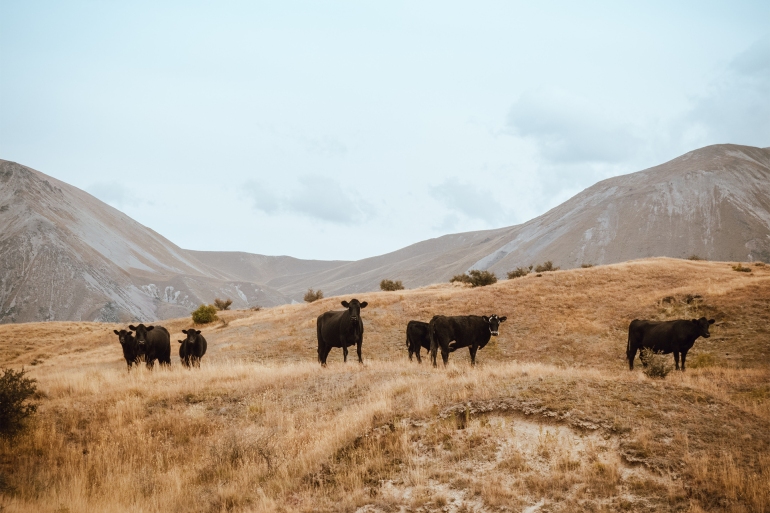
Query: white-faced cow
point(665, 337)
point(341, 329)
point(452, 333)
point(154, 343)
point(192, 349)
point(417, 336)
point(130, 350)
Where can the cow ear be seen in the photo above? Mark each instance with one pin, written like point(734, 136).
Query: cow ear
point(150, 328)
point(712, 321)
point(486, 319)
point(503, 318)
point(116, 332)
point(132, 327)
point(197, 332)
point(180, 341)
point(184, 331)
point(345, 304)
point(364, 304)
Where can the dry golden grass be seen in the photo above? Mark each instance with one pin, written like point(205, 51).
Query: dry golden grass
point(551, 418)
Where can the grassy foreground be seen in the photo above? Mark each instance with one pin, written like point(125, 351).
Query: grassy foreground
point(550, 420)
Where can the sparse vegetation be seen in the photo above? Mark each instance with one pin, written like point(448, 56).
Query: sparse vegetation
point(586, 266)
point(16, 406)
point(656, 365)
point(205, 314)
point(695, 257)
point(741, 269)
point(313, 295)
point(256, 308)
point(390, 285)
point(545, 267)
point(223, 304)
point(519, 272)
point(476, 278)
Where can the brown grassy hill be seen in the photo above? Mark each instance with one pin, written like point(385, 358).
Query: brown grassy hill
point(551, 419)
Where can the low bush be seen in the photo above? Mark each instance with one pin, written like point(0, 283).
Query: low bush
point(476, 278)
point(741, 269)
point(223, 304)
point(694, 257)
point(586, 266)
point(546, 267)
point(519, 272)
point(15, 405)
point(656, 365)
point(312, 295)
point(205, 314)
point(390, 285)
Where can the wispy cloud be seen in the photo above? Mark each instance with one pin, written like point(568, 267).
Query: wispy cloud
point(473, 201)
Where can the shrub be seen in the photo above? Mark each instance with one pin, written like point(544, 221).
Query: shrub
point(586, 266)
point(657, 365)
point(256, 308)
point(312, 295)
point(741, 269)
point(519, 272)
point(702, 360)
point(476, 278)
point(205, 314)
point(546, 267)
point(760, 264)
point(694, 257)
point(390, 285)
point(15, 406)
point(223, 305)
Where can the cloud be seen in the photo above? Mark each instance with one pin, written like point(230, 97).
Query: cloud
point(469, 200)
point(111, 192)
point(315, 196)
point(568, 129)
point(736, 107)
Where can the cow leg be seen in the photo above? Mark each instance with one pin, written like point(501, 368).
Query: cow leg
point(345, 354)
point(411, 353)
point(684, 355)
point(473, 350)
point(358, 350)
point(417, 353)
point(631, 354)
point(433, 351)
point(676, 359)
point(445, 356)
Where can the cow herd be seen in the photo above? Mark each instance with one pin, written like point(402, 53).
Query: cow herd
point(150, 343)
point(443, 333)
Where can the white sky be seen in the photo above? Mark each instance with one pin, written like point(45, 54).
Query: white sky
point(350, 129)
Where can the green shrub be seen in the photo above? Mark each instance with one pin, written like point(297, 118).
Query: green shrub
point(223, 305)
point(390, 285)
point(519, 272)
point(312, 295)
point(15, 404)
point(657, 365)
point(546, 267)
point(205, 314)
point(741, 269)
point(476, 278)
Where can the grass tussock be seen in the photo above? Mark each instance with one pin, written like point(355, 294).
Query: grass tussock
point(550, 416)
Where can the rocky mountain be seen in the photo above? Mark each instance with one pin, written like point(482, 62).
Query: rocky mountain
point(713, 202)
point(66, 255)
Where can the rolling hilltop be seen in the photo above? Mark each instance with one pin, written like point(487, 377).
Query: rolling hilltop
point(65, 255)
point(551, 419)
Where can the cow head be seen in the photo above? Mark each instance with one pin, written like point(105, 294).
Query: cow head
point(192, 335)
point(354, 307)
point(141, 336)
point(703, 326)
point(126, 339)
point(494, 323)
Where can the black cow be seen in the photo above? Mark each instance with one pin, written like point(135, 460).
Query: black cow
point(154, 343)
point(417, 336)
point(341, 329)
point(130, 350)
point(452, 333)
point(192, 348)
point(665, 337)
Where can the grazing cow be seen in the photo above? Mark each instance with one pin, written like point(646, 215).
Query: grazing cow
point(665, 337)
point(130, 351)
point(452, 333)
point(341, 329)
point(154, 343)
point(192, 348)
point(417, 336)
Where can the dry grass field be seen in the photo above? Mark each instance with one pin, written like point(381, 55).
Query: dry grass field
point(550, 420)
